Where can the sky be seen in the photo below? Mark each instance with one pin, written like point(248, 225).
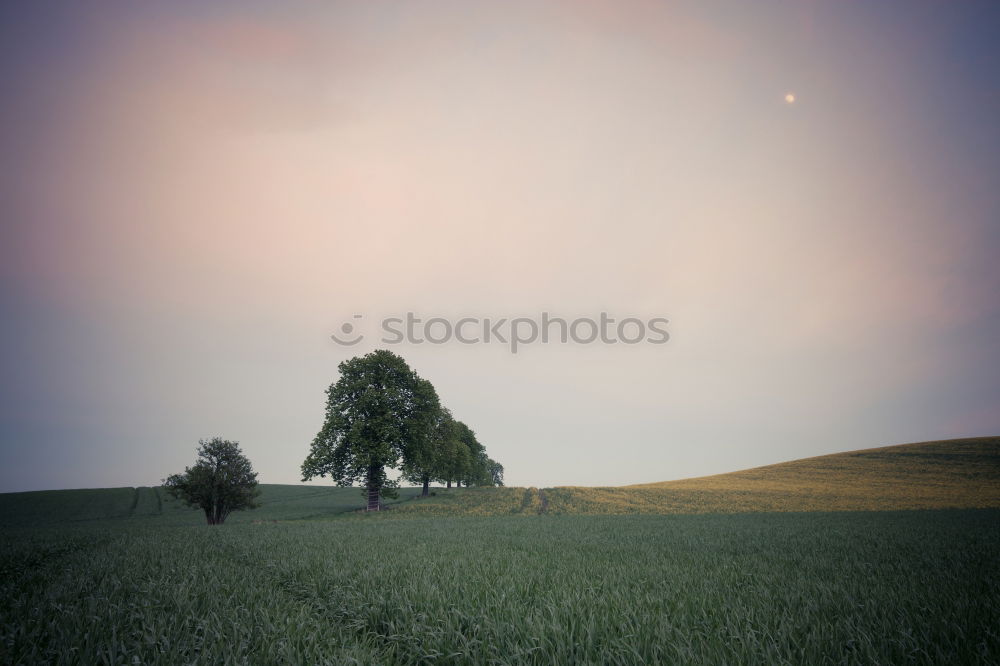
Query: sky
point(195, 196)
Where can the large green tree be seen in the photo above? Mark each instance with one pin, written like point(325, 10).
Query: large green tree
point(222, 480)
point(377, 413)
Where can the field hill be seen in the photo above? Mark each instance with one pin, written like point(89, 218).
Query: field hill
point(951, 474)
point(957, 473)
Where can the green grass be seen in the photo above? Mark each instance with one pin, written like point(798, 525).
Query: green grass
point(824, 588)
point(469, 502)
point(154, 505)
point(49, 506)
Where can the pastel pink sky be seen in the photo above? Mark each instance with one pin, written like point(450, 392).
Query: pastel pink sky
point(194, 199)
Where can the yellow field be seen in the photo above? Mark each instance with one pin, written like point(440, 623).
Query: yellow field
point(960, 473)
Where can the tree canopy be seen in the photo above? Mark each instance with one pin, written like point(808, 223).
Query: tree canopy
point(477, 468)
point(222, 480)
point(496, 472)
point(426, 459)
point(379, 411)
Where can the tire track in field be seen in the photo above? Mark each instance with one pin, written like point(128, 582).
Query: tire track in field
point(526, 502)
point(135, 503)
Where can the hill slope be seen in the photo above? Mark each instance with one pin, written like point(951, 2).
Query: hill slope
point(958, 473)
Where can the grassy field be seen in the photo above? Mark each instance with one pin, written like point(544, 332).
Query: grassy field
point(507, 576)
point(154, 506)
point(824, 588)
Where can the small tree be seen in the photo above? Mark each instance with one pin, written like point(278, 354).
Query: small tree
point(455, 461)
point(221, 481)
point(476, 471)
point(496, 471)
point(425, 456)
point(456, 457)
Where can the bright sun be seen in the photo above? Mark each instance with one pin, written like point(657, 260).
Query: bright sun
point(789, 97)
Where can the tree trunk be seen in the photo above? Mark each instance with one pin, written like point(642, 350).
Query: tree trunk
point(427, 485)
point(458, 484)
point(374, 488)
point(449, 484)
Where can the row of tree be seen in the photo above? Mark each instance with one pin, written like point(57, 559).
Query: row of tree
point(381, 414)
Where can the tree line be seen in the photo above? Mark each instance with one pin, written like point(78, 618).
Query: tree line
point(381, 414)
